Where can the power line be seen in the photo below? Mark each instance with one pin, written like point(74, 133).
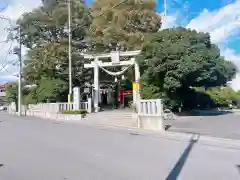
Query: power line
point(8, 51)
point(113, 7)
point(4, 67)
point(4, 7)
point(2, 45)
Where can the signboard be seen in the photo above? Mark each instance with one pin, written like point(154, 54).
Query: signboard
point(76, 97)
point(87, 90)
point(115, 57)
point(69, 99)
point(135, 86)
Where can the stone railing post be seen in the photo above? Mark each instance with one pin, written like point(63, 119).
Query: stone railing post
point(89, 109)
point(160, 115)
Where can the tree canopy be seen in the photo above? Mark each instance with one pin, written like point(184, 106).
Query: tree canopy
point(11, 92)
point(223, 96)
point(126, 26)
point(49, 23)
point(176, 59)
point(45, 33)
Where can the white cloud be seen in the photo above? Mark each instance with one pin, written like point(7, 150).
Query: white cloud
point(18, 7)
point(13, 11)
point(221, 24)
point(231, 55)
point(235, 82)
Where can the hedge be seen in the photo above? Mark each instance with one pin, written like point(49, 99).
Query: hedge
point(80, 111)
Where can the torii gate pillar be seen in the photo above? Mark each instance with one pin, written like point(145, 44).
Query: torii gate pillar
point(136, 93)
point(96, 85)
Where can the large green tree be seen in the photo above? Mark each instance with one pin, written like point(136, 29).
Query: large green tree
point(223, 96)
point(49, 23)
point(12, 92)
point(45, 33)
point(177, 59)
point(122, 24)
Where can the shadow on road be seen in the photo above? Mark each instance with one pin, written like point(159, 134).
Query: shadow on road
point(173, 175)
point(1, 165)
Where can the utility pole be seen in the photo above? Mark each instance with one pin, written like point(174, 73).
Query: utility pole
point(69, 52)
point(164, 17)
point(20, 74)
point(18, 52)
point(165, 8)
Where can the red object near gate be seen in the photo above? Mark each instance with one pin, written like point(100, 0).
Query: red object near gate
point(123, 93)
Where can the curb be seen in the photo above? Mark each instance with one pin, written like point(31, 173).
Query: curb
point(204, 140)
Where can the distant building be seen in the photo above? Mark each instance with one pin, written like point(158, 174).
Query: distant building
point(2, 90)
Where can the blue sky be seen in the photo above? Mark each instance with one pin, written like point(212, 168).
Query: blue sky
point(188, 10)
point(184, 11)
point(221, 18)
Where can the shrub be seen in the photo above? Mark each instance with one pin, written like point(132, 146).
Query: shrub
point(80, 111)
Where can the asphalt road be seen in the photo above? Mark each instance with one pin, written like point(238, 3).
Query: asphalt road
point(33, 149)
point(223, 125)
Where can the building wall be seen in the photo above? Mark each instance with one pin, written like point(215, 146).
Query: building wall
point(2, 94)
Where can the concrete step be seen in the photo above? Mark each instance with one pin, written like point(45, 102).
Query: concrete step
point(109, 116)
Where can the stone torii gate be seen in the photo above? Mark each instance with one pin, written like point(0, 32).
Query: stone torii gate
point(115, 57)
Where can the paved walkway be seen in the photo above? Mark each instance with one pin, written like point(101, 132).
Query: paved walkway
point(35, 149)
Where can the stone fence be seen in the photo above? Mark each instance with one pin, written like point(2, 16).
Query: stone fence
point(52, 110)
point(59, 107)
point(150, 114)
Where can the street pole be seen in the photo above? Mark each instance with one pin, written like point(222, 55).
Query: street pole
point(69, 52)
point(164, 17)
point(19, 53)
point(165, 8)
